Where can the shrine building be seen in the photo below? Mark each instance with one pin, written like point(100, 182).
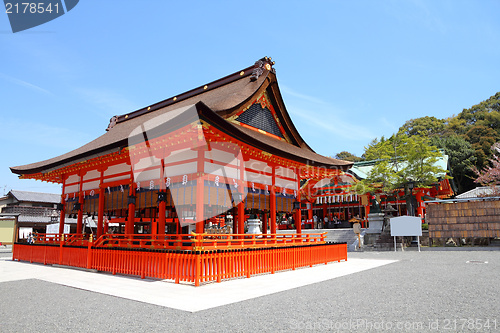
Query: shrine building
point(185, 183)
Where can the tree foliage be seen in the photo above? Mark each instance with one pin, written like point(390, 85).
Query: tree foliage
point(399, 159)
point(461, 158)
point(424, 126)
point(490, 175)
point(466, 138)
point(347, 156)
point(476, 129)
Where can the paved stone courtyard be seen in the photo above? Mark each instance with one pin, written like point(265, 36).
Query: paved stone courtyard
point(438, 290)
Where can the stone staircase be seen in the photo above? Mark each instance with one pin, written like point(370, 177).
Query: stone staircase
point(333, 235)
point(385, 242)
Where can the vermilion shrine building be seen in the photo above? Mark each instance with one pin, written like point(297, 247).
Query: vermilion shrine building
point(225, 149)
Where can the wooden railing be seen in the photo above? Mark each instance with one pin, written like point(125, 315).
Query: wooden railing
point(194, 242)
point(206, 260)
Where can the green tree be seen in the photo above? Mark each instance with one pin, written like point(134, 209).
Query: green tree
point(479, 111)
point(399, 159)
point(347, 156)
point(461, 158)
point(424, 126)
point(481, 138)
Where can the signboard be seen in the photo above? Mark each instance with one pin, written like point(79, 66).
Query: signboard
point(54, 228)
point(406, 226)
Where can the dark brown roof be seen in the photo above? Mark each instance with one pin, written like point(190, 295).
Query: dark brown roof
point(222, 97)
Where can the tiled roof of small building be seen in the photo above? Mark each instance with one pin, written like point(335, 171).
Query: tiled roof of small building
point(27, 196)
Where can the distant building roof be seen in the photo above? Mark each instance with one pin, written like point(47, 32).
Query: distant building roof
point(35, 196)
point(478, 192)
point(362, 169)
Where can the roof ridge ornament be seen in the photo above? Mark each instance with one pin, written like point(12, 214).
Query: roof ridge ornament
point(260, 65)
point(112, 122)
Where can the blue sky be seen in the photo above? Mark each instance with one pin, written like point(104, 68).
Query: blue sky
point(349, 71)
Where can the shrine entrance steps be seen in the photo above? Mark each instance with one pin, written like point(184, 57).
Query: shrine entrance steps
point(346, 235)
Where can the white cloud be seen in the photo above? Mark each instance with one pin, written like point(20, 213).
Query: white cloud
point(288, 91)
point(111, 102)
point(25, 84)
point(20, 131)
point(317, 113)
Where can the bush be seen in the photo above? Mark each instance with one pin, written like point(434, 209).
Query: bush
point(425, 226)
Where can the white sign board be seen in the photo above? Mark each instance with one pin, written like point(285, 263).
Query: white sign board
point(406, 226)
point(54, 228)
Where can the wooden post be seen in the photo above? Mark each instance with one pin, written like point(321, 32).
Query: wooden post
point(100, 209)
point(89, 252)
point(162, 204)
point(420, 207)
point(241, 205)
point(63, 210)
point(61, 249)
point(197, 269)
point(241, 217)
point(298, 213)
point(272, 199)
point(129, 224)
point(200, 192)
point(298, 220)
point(79, 221)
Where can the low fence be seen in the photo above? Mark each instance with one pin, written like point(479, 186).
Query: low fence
point(191, 266)
point(194, 242)
point(475, 218)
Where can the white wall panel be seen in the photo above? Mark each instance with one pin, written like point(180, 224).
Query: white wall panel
point(115, 169)
point(181, 169)
point(181, 155)
point(72, 179)
point(93, 174)
point(147, 175)
point(91, 186)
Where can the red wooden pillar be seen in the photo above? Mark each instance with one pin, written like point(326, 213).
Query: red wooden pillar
point(420, 206)
point(129, 224)
point(63, 210)
point(200, 191)
point(100, 209)
point(62, 216)
point(235, 220)
point(298, 213)
point(367, 207)
point(272, 201)
point(241, 205)
point(162, 204)
point(367, 211)
point(241, 217)
point(79, 221)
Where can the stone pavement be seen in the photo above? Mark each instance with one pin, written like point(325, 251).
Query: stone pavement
point(430, 291)
point(183, 296)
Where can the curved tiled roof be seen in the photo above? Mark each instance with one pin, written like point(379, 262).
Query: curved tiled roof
point(36, 196)
point(222, 97)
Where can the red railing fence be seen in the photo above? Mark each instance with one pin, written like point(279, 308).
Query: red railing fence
point(195, 258)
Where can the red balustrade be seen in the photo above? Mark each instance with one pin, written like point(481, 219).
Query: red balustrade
point(195, 258)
